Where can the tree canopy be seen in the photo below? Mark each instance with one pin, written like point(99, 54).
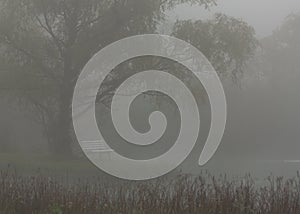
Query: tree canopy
point(46, 43)
point(227, 42)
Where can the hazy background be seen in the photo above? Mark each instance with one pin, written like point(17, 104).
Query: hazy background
point(263, 126)
point(263, 15)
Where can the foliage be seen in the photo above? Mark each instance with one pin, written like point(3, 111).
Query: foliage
point(227, 42)
point(46, 43)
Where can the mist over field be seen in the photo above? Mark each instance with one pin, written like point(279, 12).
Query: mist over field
point(263, 107)
point(60, 148)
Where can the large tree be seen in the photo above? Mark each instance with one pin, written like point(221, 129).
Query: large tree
point(227, 42)
point(46, 43)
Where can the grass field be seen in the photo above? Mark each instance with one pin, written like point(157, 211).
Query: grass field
point(40, 184)
point(203, 194)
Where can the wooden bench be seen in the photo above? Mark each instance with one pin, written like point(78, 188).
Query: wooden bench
point(96, 146)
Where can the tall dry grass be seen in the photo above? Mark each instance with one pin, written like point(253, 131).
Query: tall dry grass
point(185, 194)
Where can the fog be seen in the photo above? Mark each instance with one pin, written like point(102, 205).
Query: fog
point(263, 15)
point(262, 132)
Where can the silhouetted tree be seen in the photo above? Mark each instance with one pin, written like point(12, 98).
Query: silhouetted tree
point(227, 42)
point(46, 43)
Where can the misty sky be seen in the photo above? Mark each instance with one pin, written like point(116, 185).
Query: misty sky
point(264, 15)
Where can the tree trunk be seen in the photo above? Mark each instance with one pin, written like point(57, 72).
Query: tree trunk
point(60, 133)
point(63, 138)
